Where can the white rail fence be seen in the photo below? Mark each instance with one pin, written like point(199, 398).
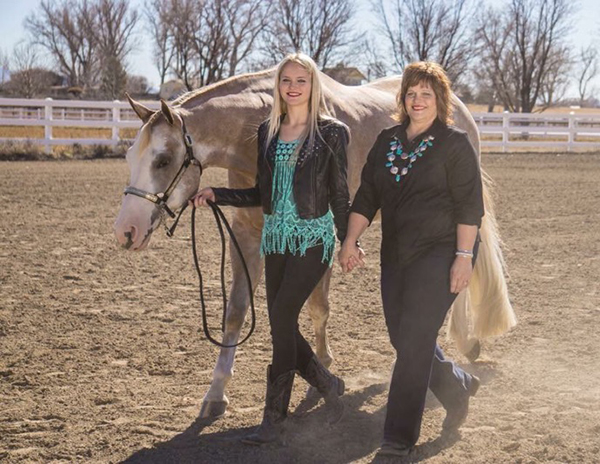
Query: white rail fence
point(499, 131)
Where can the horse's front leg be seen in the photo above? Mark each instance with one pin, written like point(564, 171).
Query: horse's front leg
point(318, 309)
point(215, 402)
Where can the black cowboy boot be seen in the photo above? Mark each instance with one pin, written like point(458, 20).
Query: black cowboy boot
point(275, 412)
point(457, 414)
point(328, 385)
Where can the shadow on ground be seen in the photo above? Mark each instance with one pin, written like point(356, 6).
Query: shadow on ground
point(308, 438)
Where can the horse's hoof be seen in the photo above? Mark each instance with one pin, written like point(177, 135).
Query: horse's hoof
point(474, 352)
point(213, 409)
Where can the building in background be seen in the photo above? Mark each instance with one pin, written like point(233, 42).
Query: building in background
point(346, 76)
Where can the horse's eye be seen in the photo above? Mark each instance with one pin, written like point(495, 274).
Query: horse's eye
point(162, 162)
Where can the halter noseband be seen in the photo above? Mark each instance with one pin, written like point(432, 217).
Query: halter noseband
point(160, 199)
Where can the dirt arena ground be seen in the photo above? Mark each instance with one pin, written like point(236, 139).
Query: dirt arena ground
point(101, 359)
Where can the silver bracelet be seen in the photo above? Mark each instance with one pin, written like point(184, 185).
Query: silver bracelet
point(464, 253)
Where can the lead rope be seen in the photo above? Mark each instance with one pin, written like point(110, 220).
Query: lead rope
point(221, 220)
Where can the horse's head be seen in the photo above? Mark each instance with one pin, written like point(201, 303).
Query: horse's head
point(155, 160)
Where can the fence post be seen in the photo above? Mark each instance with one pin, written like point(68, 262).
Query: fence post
point(505, 127)
point(572, 130)
point(47, 126)
point(116, 117)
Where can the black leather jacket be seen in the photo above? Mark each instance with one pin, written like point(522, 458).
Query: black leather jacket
point(320, 178)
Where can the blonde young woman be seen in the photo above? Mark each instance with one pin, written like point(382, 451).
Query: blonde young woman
point(302, 188)
point(424, 177)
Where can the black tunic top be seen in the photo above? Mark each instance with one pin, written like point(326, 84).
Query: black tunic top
point(441, 189)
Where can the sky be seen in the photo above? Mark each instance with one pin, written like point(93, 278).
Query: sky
point(586, 30)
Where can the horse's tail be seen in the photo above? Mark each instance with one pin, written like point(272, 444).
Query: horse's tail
point(487, 297)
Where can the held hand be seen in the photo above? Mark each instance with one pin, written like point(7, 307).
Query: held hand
point(460, 274)
point(200, 199)
point(351, 256)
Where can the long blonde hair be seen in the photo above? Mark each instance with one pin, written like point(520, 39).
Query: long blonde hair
point(316, 104)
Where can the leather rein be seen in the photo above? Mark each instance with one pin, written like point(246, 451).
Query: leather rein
point(160, 200)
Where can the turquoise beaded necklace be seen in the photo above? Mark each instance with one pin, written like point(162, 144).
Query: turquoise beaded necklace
point(397, 152)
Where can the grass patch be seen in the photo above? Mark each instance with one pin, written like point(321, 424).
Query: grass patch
point(28, 151)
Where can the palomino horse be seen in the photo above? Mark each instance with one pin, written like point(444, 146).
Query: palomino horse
point(222, 120)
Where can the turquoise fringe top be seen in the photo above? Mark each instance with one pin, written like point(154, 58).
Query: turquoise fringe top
point(283, 229)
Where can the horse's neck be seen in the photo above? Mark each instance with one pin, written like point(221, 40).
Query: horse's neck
point(224, 122)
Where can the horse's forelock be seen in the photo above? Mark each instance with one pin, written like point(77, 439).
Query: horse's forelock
point(145, 137)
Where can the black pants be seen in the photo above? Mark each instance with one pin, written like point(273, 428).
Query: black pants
point(416, 298)
point(290, 280)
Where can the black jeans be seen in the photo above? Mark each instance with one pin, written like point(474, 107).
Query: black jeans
point(416, 298)
point(290, 280)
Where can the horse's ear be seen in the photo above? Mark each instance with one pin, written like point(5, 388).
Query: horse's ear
point(143, 112)
point(167, 111)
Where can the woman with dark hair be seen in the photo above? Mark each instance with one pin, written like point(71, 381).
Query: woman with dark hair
point(424, 176)
point(301, 174)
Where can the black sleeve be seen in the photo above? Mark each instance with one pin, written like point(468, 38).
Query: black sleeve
point(242, 198)
point(367, 200)
point(464, 181)
point(339, 198)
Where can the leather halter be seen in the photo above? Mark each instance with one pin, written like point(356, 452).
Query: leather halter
point(160, 199)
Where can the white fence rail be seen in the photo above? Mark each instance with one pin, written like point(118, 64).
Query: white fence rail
point(499, 131)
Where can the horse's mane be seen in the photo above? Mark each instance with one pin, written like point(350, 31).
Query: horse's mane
point(215, 87)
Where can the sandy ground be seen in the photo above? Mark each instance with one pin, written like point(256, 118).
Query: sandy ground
point(101, 359)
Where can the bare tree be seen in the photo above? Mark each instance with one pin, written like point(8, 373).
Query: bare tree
point(158, 19)
point(204, 42)
point(522, 50)
point(319, 28)
point(183, 26)
point(247, 21)
point(226, 35)
point(65, 29)
point(29, 79)
point(587, 70)
point(371, 58)
point(115, 23)
point(211, 41)
point(495, 54)
point(428, 30)
point(4, 69)
point(554, 86)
